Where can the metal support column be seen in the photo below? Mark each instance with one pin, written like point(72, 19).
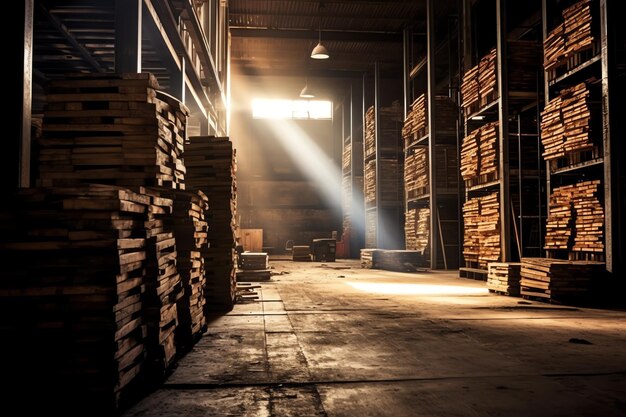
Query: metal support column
point(432, 140)
point(128, 35)
point(18, 156)
point(177, 87)
point(503, 110)
point(377, 145)
point(406, 51)
point(467, 35)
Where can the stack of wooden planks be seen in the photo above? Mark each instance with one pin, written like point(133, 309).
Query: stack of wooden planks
point(190, 229)
point(469, 89)
point(71, 294)
point(370, 184)
point(367, 258)
point(370, 132)
point(163, 286)
point(399, 260)
point(554, 48)
point(572, 36)
point(346, 161)
point(487, 79)
point(479, 159)
point(301, 253)
point(556, 279)
point(565, 123)
point(489, 229)
point(504, 277)
point(391, 189)
point(254, 266)
point(576, 218)
point(416, 173)
point(390, 129)
point(371, 220)
point(211, 167)
point(417, 227)
point(481, 216)
point(112, 129)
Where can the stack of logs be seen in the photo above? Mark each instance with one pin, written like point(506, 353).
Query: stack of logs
point(417, 227)
point(211, 167)
point(574, 35)
point(576, 218)
point(479, 155)
point(112, 129)
point(565, 123)
point(71, 298)
point(482, 229)
point(554, 279)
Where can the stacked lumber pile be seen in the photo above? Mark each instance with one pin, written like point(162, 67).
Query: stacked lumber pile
point(390, 130)
point(370, 132)
point(471, 219)
point(112, 129)
point(489, 229)
point(368, 257)
point(371, 217)
point(301, 253)
point(399, 260)
point(565, 123)
point(415, 124)
point(254, 266)
point(163, 286)
point(346, 201)
point(469, 156)
point(572, 36)
point(346, 161)
point(254, 260)
point(189, 226)
point(211, 167)
point(523, 65)
point(71, 295)
point(556, 279)
point(469, 89)
point(504, 277)
point(446, 166)
point(487, 78)
point(391, 189)
point(370, 184)
point(487, 150)
point(479, 161)
point(416, 173)
point(576, 218)
point(482, 229)
point(417, 227)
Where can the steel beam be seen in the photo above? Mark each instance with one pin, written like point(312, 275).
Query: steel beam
point(377, 144)
point(430, 94)
point(327, 35)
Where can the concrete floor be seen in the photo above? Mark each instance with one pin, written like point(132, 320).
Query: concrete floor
point(337, 340)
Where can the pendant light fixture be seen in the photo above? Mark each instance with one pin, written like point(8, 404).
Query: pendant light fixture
point(306, 92)
point(320, 51)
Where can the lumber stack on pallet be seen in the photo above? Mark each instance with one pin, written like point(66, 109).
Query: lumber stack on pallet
point(370, 184)
point(390, 129)
point(479, 158)
point(301, 253)
point(367, 258)
point(415, 124)
point(487, 79)
point(254, 266)
point(469, 90)
point(557, 280)
point(211, 168)
point(370, 132)
point(190, 229)
point(112, 129)
point(399, 260)
point(371, 220)
point(163, 286)
point(346, 161)
point(566, 123)
point(504, 277)
point(416, 173)
point(71, 294)
point(571, 37)
point(576, 218)
point(417, 227)
point(481, 216)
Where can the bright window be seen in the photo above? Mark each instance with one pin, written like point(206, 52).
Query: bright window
point(292, 109)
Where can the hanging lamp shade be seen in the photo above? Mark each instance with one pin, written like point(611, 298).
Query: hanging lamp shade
point(320, 52)
point(306, 92)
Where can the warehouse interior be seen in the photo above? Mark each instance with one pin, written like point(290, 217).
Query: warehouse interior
point(315, 208)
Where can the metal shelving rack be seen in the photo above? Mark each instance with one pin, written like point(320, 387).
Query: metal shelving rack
point(424, 76)
point(520, 174)
point(603, 64)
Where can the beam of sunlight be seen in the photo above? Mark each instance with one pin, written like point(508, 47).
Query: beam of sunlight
point(416, 289)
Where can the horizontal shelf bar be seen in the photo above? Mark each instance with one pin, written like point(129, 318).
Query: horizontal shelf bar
point(483, 186)
point(579, 68)
point(577, 166)
point(483, 110)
